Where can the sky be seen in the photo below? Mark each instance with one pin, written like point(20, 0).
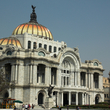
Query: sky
point(80, 23)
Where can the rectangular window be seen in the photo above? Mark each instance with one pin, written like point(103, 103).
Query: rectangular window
point(45, 46)
point(54, 49)
point(50, 48)
point(105, 95)
point(29, 44)
point(40, 45)
point(34, 45)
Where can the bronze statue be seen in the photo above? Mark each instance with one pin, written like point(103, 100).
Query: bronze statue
point(50, 88)
point(33, 7)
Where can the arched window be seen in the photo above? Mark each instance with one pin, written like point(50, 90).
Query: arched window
point(45, 46)
point(40, 45)
point(34, 45)
point(29, 44)
point(50, 48)
point(54, 49)
point(9, 53)
point(95, 64)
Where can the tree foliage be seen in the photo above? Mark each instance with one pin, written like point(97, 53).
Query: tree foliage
point(5, 83)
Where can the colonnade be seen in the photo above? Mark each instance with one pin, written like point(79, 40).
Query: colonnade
point(72, 79)
point(80, 98)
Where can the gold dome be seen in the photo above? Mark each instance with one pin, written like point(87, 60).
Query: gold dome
point(33, 28)
point(10, 40)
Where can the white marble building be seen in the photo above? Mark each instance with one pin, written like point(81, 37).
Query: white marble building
point(34, 60)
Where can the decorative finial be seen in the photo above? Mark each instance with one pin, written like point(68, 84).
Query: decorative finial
point(33, 7)
point(33, 15)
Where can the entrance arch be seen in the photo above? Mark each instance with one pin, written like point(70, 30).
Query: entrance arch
point(40, 98)
point(97, 98)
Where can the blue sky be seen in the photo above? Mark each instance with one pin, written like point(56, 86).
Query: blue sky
point(80, 23)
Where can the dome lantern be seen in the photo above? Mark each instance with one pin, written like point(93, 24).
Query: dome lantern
point(33, 15)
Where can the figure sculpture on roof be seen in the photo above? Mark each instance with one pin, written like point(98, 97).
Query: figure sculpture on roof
point(33, 7)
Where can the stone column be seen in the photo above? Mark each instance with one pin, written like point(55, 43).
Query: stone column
point(69, 98)
point(39, 79)
point(28, 67)
point(82, 98)
point(21, 75)
point(78, 78)
point(76, 98)
point(65, 81)
point(92, 81)
point(72, 80)
point(85, 99)
point(53, 79)
point(58, 98)
point(47, 75)
point(34, 74)
point(86, 79)
point(62, 98)
point(30, 74)
point(89, 80)
point(16, 73)
point(75, 78)
point(12, 72)
point(58, 77)
point(62, 81)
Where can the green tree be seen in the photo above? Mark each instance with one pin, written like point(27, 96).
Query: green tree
point(5, 83)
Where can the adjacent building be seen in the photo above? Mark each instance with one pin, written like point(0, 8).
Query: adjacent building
point(106, 86)
point(34, 61)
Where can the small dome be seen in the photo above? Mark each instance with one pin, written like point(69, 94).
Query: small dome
point(33, 28)
point(10, 40)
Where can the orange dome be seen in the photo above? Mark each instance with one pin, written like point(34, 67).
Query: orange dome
point(33, 28)
point(10, 40)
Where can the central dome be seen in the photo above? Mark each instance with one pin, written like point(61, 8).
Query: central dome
point(33, 27)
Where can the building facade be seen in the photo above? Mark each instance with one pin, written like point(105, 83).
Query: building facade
point(34, 60)
point(106, 86)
